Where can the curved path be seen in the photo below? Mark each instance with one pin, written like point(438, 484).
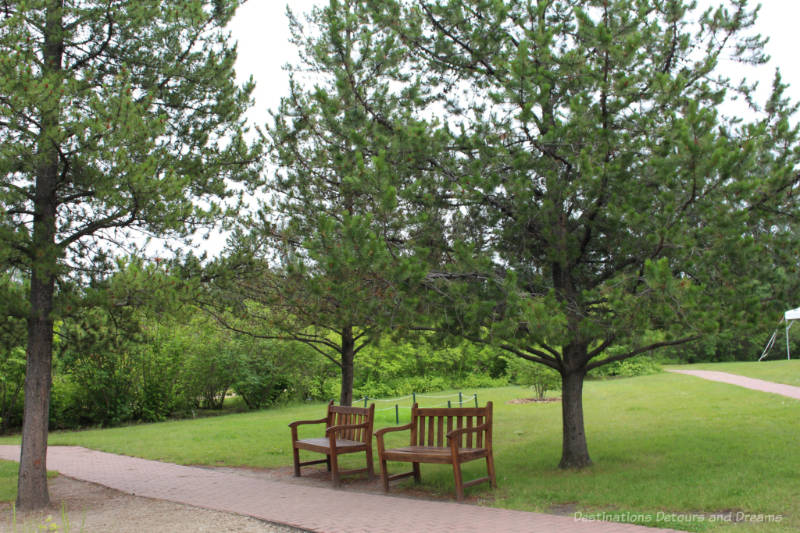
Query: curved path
point(748, 383)
point(308, 508)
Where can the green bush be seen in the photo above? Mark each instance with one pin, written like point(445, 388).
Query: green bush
point(12, 380)
point(641, 365)
point(13, 335)
point(323, 387)
point(481, 381)
point(539, 377)
point(66, 407)
point(401, 386)
point(158, 394)
point(105, 386)
point(259, 382)
point(209, 372)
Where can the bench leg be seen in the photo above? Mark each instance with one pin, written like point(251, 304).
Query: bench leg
point(384, 475)
point(417, 476)
point(334, 460)
point(328, 462)
point(490, 470)
point(459, 481)
point(296, 457)
point(370, 465)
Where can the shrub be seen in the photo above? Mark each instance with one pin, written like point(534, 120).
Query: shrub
point(12, 379)
point(481, 381)
point(158, 393)
point(209, 371)
point(641, 365)
point(13, 334)
point(401, 386)
point(539, 377)
point(259, 381)
point(66, 407)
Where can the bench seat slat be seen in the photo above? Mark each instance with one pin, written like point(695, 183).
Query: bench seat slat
point(432, 454)
point(323, 445)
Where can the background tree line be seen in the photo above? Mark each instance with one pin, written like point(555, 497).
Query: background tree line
point(134, 349)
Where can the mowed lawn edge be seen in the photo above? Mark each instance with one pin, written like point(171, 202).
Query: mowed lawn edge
point(671, 446)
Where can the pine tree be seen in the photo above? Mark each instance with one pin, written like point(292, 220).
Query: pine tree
point(116, 117)
point(341, 242)
point(599, 187)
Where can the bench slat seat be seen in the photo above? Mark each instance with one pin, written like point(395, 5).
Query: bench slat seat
point(442, 436)
point(322, 445)
point(433, 454)
point(347, 430)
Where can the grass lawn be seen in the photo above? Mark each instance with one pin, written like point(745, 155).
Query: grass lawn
point(663, 444)
point(8, 480)
point(780, 371)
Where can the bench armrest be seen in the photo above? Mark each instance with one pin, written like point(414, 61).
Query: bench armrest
point(379, 435)
point(456, 433)
point(293, 426)
point(333, 429)
point(380, 432)
point(300, 422)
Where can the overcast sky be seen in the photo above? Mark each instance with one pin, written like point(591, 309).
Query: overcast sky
point(261, 29)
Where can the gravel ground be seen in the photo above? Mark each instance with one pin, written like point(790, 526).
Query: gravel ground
point(94, 509)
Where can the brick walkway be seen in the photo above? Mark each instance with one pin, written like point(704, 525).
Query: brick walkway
point(741, 381)
point(309, 508)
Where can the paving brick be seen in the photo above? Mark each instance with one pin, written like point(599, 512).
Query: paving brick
point(741, 381)
point(311, 508)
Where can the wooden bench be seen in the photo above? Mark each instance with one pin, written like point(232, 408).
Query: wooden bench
point(444, 436)
point(347, 430)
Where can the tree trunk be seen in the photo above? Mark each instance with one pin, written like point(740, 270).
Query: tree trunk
point(574, 452)
point(32, 482)
point(348, 354)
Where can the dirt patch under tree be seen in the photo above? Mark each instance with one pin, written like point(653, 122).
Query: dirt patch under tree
point(91, 508)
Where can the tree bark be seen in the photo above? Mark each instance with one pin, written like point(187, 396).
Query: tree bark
point(574, 452)
point(348, 355)
point(32, 482)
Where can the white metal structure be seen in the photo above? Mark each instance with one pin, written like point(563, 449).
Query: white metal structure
point(789, 317)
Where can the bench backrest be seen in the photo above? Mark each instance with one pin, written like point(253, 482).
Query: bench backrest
point(341, 415)
point(430, 426)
